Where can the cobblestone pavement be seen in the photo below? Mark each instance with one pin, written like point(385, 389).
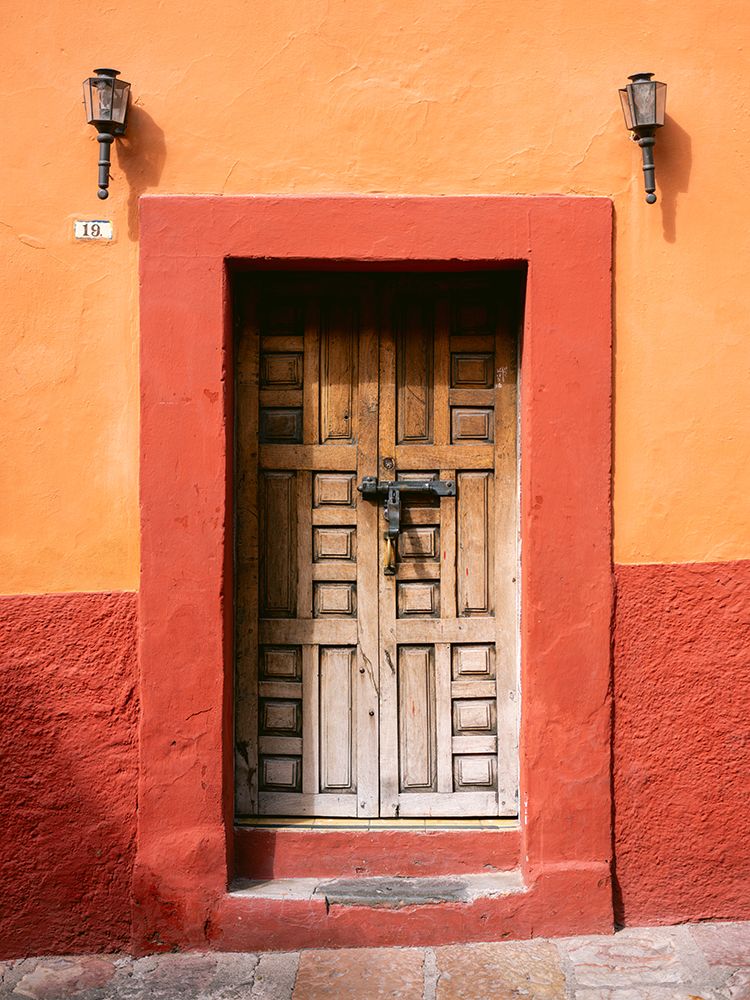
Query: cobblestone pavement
point(695, 962)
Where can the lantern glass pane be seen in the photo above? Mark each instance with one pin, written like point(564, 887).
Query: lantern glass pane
point(661, 102)
point(102, 95)
point(643, 97)
point(87, 103)
point(626, 108)
point(120, 101)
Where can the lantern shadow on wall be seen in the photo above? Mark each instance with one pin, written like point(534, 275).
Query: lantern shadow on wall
point(141, 156)
point(675, 162)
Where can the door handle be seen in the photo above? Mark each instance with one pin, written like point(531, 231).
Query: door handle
point(373, 489)
point(389, 558)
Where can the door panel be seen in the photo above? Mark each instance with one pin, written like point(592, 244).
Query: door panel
point(416, 714)
point(361, 693)
point(310, 746)
point(445, 689)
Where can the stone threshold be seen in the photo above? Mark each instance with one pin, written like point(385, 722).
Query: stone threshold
point(383, 891)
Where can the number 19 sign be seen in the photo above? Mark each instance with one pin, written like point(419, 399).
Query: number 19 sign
point(92, 229)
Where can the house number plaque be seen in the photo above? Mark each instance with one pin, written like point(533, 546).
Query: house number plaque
point(92, 229)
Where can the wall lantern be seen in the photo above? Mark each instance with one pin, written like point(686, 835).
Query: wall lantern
point(106, 101)
point(643, 103)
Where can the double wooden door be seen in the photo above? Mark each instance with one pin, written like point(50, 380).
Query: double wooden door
point(362, 692)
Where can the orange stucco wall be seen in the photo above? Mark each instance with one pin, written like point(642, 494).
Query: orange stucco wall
point(370, 96)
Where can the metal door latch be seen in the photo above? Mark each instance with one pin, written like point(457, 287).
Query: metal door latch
point(372, 489)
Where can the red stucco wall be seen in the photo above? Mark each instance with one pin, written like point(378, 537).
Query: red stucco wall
point(682, 752)
point(68, 746)
point(68, 751)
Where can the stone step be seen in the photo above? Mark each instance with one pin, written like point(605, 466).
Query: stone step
point(383, 891)
point(343, 911)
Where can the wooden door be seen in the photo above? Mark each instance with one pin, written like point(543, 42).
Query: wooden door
point(361, 693)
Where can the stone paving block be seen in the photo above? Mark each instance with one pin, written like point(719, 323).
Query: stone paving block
point(9, 976)
point(168, 977)
point(737, 986)
point(430, 974)
point(628, 959)
point(58, 978)
point(233, 976)
point(646, 993)
point(13, 973)
point(499, 971)
point(354, 974)
point(723, 944)
point(274, 976)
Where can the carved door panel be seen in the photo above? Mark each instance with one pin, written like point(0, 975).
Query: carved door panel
point(361, 693)
point(448, 614)
point(306, 608)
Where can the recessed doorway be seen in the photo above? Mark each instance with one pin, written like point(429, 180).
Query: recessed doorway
point(376, 564)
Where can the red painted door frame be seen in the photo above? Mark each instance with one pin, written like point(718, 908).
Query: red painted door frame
point(188, 244)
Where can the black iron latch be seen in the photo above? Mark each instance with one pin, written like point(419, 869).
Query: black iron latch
point(372, 489)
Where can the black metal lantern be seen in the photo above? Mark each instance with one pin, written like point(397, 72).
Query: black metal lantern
point(643, 104)
point(106, 101)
